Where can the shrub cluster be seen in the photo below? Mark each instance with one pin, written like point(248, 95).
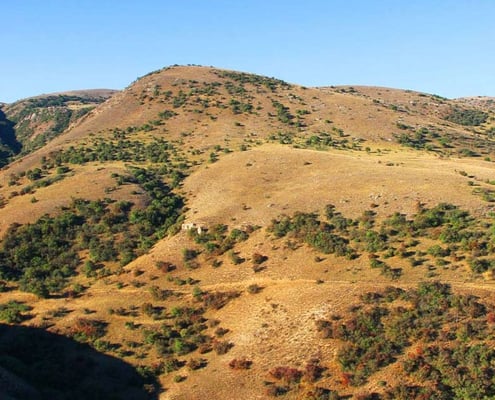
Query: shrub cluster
point(458, 236)
point(447, 333)
point(41, 256)
point(467, 117)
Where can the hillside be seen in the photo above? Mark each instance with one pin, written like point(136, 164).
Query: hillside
point(221, 232)
point(482, 102)
point(9, 146)
point(39, 119)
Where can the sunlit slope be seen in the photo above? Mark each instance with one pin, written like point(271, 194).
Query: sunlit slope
point(311, 204)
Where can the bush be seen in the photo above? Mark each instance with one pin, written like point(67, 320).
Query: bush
point(84, 329)
point(189, 254)
point(254, 288)
point(165, 266)
point(287, 374)
point(438, 251)
point(275, 390)
point(222, 347)
point(196, 363)
point(160, 294)
point(13, 312)
point(240, 363)
point(235, 258)
point(259, 258)
point(217, 300)
point(313, 370)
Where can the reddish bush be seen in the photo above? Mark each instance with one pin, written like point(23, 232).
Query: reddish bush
point(196, 363)
point(259, 258)
point(241, 363)
point(221, 331)
point(287, 374)
point(87, 329)
point(490, 318)
point(205, 348)
point(345, 379)
point(313, 370)
point(222, 347)
point(165, 266)
point(217, 300)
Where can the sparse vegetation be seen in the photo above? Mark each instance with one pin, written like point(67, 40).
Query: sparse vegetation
point(240, 363)
point(283, 113)
point(346, 237)
point(285, 284)
point(55, 113)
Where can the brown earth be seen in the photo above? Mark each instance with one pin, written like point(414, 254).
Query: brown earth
point(250, 188)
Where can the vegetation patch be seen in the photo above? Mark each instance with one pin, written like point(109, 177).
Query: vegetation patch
point(439, 344)
point(429, 331)
point(257, 80)
point(467, 117)
point(458, 235)
point(41, 256)
point(13, 312)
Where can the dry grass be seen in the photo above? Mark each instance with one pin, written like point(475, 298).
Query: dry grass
point(89, 182)
point(256, 186)
point(276, 326)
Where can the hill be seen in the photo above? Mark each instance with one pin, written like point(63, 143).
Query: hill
point(225, 232)
point(39, 119)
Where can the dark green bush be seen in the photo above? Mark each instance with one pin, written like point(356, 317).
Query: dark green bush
point(467, 117)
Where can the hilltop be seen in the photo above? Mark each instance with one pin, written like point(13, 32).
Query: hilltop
point(224, 232)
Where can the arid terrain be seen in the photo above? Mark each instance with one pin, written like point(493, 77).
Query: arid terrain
point(212, 234)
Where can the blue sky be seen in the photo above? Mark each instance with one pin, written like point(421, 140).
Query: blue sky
point(436, 46)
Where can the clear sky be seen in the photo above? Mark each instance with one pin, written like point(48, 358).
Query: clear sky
point(444, 47)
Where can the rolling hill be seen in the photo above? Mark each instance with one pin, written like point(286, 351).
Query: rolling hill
point(229, 235)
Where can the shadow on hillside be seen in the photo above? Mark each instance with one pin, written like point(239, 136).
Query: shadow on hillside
point(8, 141)
point(38, 365)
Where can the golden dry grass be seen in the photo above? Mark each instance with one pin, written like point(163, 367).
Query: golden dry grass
point(90, 182)
point(258, 185)
point(276, 326)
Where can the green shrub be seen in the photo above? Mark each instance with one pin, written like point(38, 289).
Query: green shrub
point(189, 254)
point(467, 117)
point(13, 312)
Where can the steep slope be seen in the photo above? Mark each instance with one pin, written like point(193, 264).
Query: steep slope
point(9, 146)
point(205, 112)
point(39, 119)
point(302, 208)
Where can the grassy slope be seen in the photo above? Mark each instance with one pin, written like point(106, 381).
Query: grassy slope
point(276, 326)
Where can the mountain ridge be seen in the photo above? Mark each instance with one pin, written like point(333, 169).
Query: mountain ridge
point(100, 92)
